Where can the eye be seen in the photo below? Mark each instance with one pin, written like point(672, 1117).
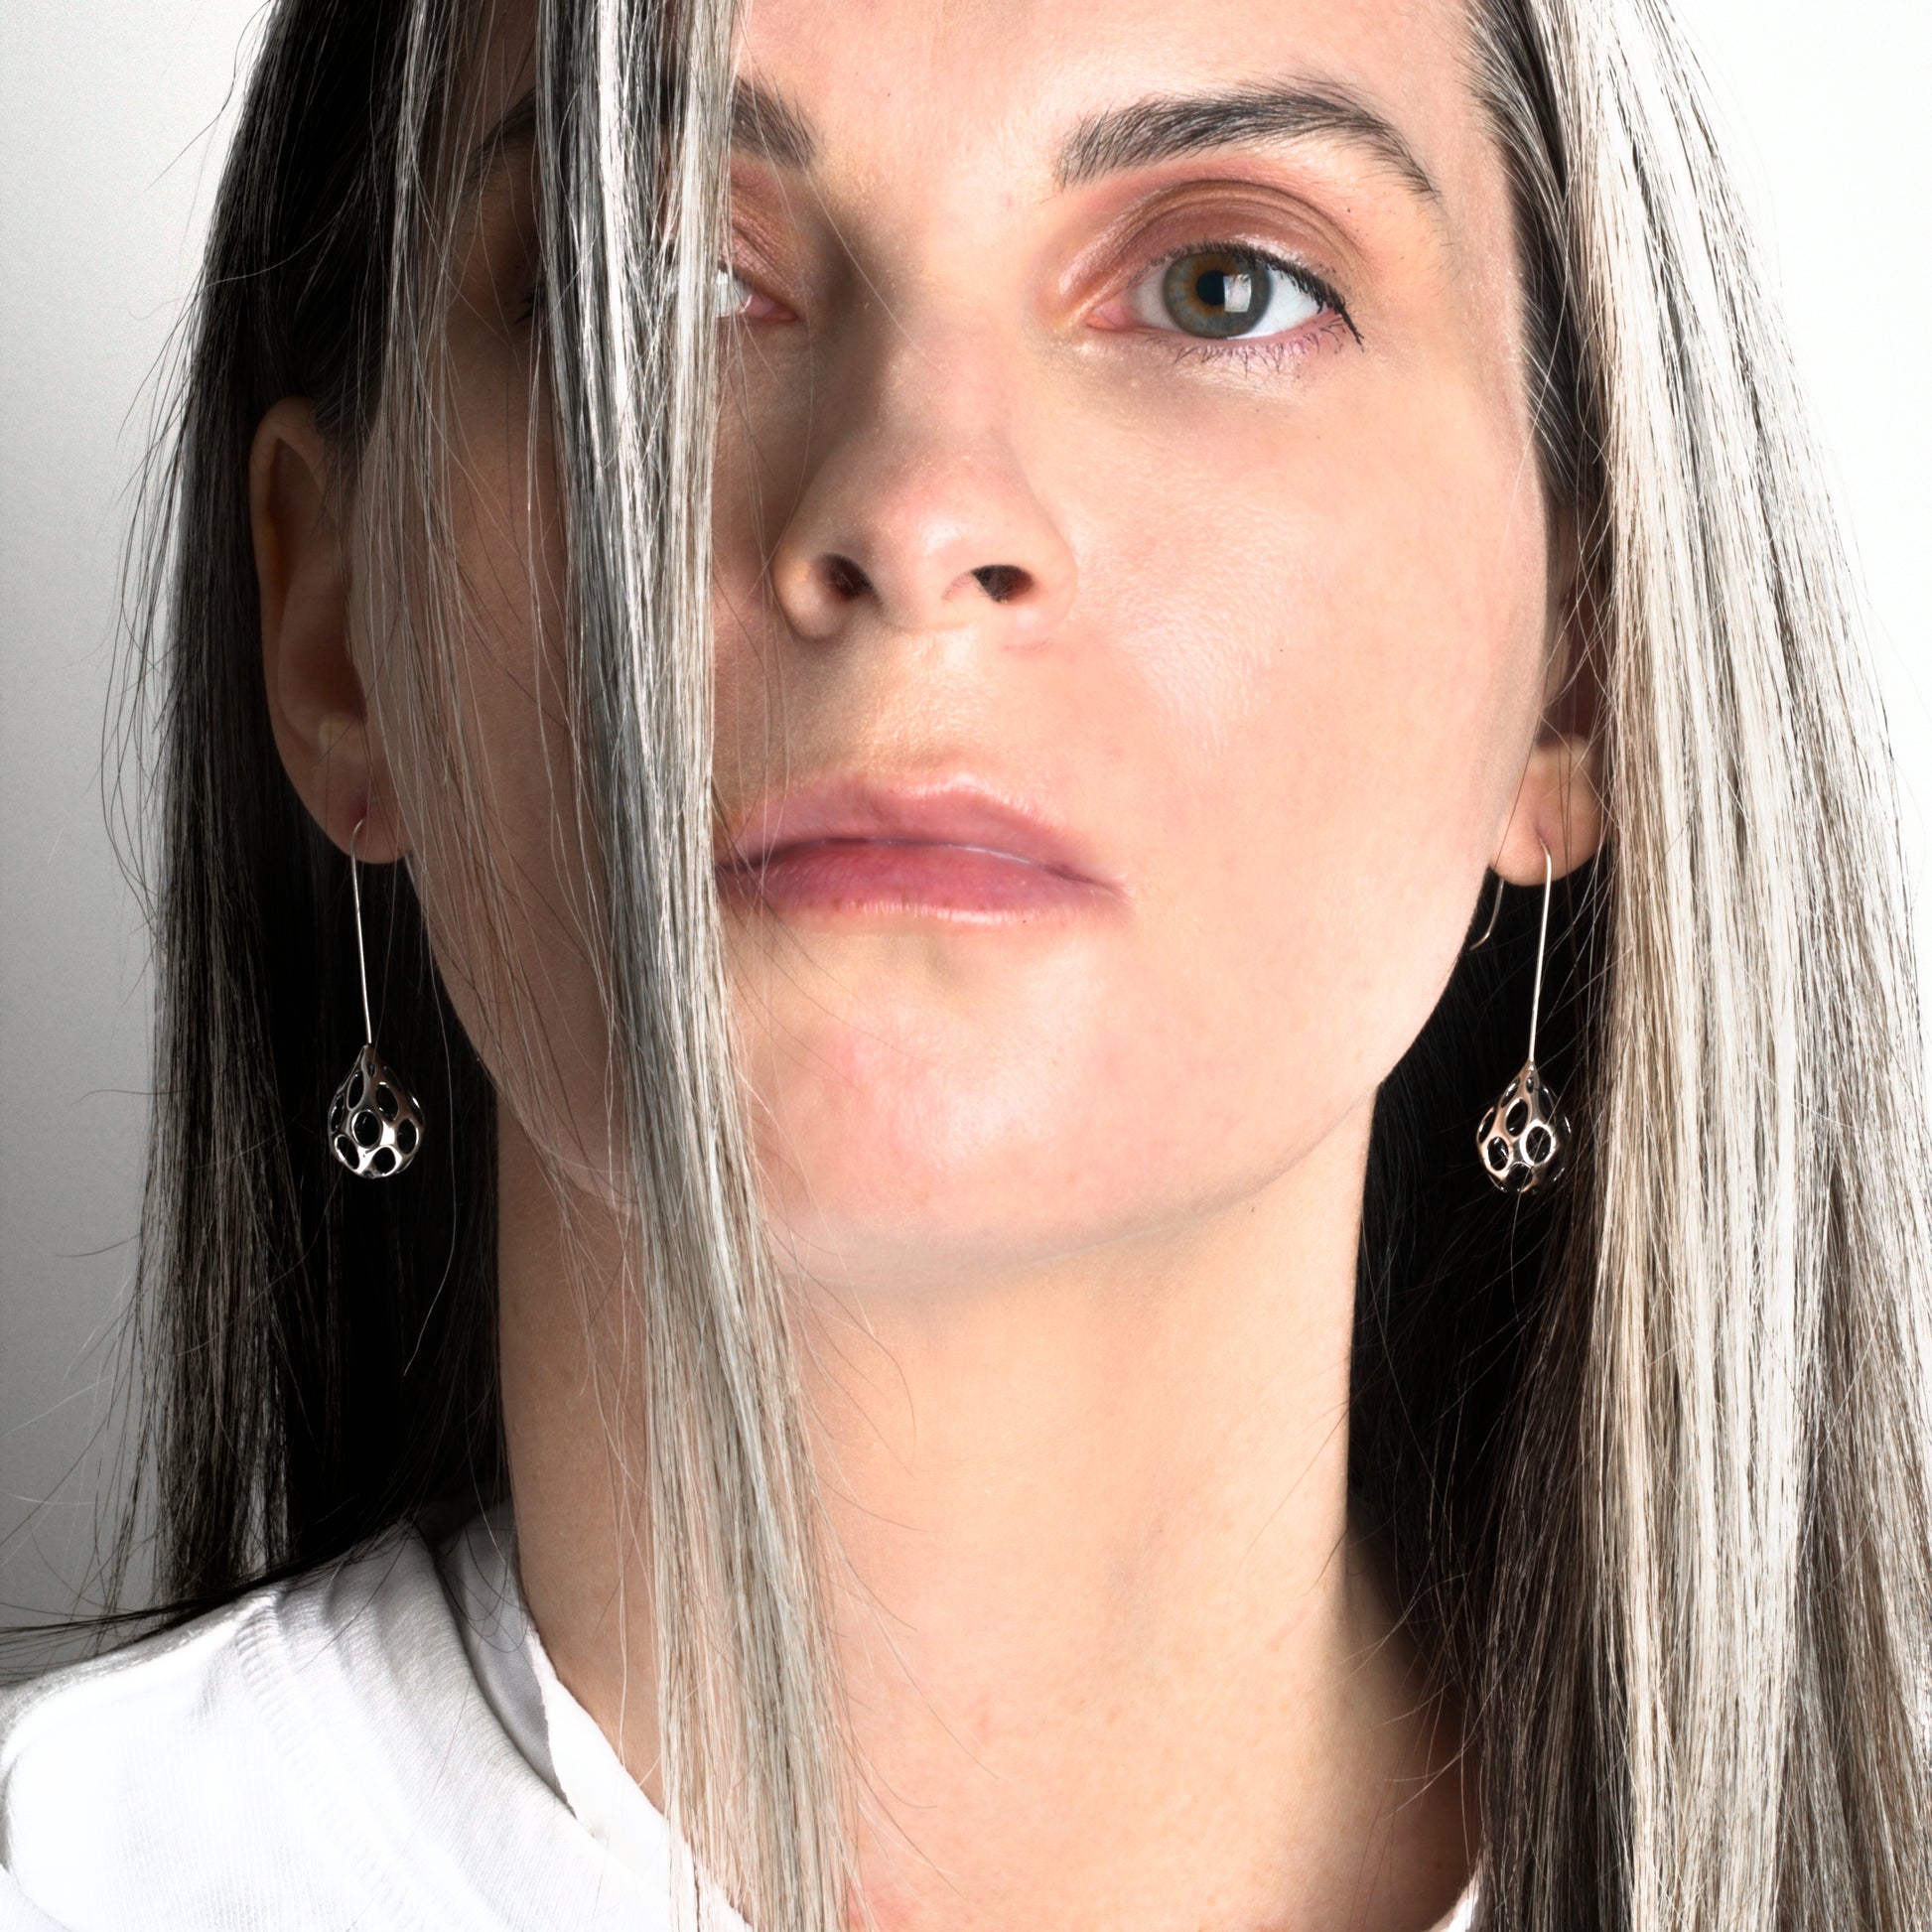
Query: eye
point(1218, 293)
point(734, 297)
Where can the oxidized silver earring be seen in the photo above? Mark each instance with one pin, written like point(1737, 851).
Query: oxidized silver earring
point(375, 1124)
point(1524, 1138)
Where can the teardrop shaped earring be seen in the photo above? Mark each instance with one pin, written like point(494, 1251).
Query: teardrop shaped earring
point(375, 1124)
point(1524, 1138)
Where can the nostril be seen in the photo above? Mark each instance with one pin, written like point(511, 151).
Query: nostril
point(845, 578)
point(1001, 581)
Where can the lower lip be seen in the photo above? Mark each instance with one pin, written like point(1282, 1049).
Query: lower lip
point(866, 877)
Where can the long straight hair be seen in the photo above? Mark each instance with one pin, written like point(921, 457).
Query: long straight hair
point(1649, 1461)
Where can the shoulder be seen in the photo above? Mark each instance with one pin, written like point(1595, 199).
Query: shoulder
point(315, 1755)
point(72, 1728)
point(121, 1776)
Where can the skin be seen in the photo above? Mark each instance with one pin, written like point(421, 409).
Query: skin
point(1070, 1204)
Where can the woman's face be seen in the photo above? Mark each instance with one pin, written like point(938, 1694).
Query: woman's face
point(1133, 603)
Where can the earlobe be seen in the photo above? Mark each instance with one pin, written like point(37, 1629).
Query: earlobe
point(317, 705)
point(1558, 805)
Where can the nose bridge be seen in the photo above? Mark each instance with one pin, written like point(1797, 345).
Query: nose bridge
point(917, 502)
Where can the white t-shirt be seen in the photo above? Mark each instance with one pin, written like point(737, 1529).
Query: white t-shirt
point(382, 1745)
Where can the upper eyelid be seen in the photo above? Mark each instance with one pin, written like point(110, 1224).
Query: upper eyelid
point(754, 263)
point(1311, 281)
point(1235, 237)
point(1232, 212)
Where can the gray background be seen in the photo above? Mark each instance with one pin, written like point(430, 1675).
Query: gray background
point(113, 114)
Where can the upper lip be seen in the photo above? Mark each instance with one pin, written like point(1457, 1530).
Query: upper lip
point(954, 810)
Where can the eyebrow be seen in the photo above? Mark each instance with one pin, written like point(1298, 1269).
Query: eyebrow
point(1164, 127)
point(767, 124)
point(761, 120)
point(515, 126)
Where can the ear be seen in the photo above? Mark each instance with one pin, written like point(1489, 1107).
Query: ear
point(1559, 803)
point(318, 705)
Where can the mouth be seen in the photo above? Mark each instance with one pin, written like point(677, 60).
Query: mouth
point(860, 849)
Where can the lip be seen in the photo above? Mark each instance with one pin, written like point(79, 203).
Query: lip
point(865, 846)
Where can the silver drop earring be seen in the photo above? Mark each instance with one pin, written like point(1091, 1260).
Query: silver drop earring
point(375, 1124)
point(1524, 1138)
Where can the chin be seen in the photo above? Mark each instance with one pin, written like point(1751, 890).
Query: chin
point(935, 1184)
point(940, 1177)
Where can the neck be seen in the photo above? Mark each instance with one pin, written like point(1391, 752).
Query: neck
point(1112, 1652)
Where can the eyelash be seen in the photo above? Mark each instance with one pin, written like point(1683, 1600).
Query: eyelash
point(1270, 350)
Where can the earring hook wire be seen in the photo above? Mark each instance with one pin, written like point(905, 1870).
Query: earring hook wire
point(362, 957)
point(1542, 942)
point(1495, 908)
point(1541, 947)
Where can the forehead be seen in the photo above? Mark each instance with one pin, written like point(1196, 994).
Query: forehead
point(1000, 86)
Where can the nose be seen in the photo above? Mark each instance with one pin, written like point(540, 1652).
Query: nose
point(918, 514)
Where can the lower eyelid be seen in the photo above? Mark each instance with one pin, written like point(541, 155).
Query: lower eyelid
point(1327, 331)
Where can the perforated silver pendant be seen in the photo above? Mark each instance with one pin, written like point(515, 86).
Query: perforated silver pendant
point(375, 1124)
point(1524, 1138)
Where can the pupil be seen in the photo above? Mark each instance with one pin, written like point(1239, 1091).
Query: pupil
point(1220, 289)
point(1218, 295)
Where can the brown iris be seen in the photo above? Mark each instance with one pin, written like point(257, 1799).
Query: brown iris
point(1217, 292)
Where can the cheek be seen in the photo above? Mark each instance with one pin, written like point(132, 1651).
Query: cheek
point(1341, 644)
point(489, 795)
